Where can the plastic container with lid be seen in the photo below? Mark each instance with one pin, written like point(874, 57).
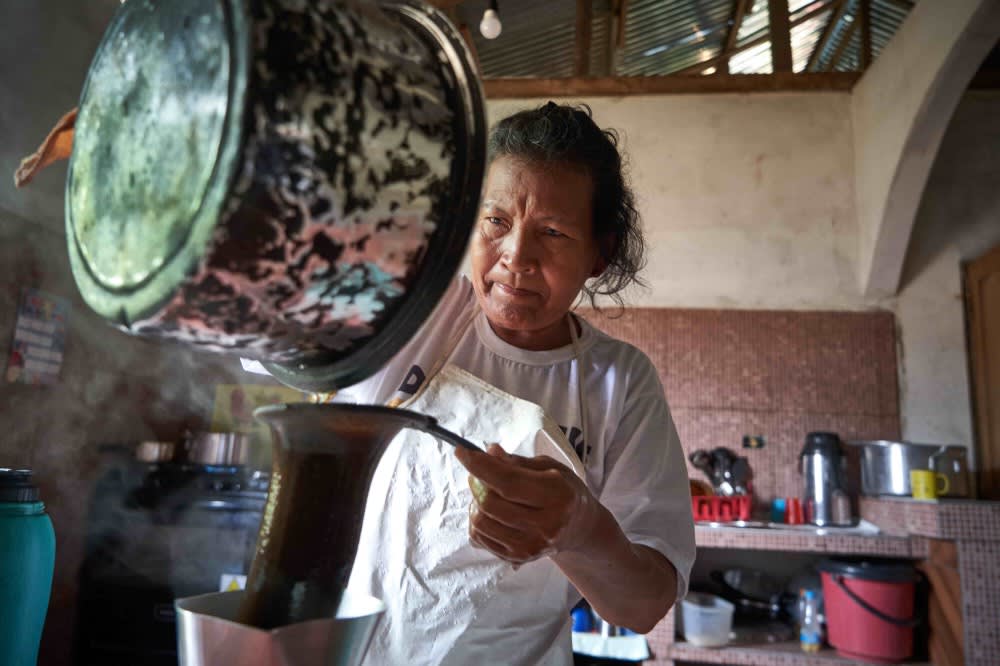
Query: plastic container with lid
point(27, 560)
point(707, 619)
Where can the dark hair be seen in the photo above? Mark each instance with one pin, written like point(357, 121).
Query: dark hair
point(568, 134)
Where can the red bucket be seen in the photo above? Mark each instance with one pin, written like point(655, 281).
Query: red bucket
point(869, 608)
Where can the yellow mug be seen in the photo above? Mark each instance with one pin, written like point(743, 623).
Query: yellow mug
point(927, 485)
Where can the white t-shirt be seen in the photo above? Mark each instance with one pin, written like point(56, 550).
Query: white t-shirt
point(635, 464)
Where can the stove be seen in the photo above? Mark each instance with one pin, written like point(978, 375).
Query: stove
point(158, 531)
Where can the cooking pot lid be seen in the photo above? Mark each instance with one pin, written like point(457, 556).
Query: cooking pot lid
point(883, 571)
point(825, 443)
point(143, 165)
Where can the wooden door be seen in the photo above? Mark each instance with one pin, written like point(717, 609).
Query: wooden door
point(982, 289)
point(945, 626)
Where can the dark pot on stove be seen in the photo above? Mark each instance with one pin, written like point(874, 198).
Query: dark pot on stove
point(285, 180)
point(754, 594)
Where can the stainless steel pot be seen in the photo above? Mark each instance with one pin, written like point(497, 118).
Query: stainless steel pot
point(218, 448)
point(286, 180)
point(154, 452)
point(886, 466)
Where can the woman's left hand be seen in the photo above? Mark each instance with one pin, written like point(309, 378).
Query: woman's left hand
point(525, 508)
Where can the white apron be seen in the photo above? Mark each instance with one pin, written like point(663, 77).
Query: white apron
point(449, 602)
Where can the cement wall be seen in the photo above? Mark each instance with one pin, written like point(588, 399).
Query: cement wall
point(901, 109)
point(958, 220)
point(747, 200)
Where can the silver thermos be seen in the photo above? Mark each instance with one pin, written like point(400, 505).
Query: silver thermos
point(828, 496)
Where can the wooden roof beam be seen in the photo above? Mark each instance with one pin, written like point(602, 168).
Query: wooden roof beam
point(622, 13)
point(842, 46)
point(740, 8)
point(837, 13)
point(671, 84)
point(781, 35)
point(865, 16)
point(700, 67)
point(616, 34)
point(584, 21)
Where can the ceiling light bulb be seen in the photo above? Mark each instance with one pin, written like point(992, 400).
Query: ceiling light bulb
point(490, 25)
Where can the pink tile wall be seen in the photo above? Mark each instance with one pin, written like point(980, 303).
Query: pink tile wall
point(779, 374)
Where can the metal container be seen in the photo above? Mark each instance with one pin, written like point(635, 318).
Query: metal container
point(218, 448)
point(154, 452)
point(886, 466)
point(826, 484)
point(289, 181)
point(208, 635)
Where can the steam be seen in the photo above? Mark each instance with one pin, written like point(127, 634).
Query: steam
point(113, 389)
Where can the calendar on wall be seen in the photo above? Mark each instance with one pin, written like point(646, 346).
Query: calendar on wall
point(36, 353)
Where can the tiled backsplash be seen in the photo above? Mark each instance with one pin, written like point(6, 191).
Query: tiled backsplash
point(779, 374)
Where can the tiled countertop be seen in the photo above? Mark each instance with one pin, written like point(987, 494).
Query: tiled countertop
point(955, 520)
point(749, 538)
point(775, 654)
point(905, 526)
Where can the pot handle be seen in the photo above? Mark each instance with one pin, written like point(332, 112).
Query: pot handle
point(912, 622)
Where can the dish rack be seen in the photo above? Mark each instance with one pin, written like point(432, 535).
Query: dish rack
point(719, 509)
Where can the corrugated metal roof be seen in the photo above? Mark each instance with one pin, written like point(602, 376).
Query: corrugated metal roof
point(753, 60)
point(804, 38)
point(843, 50)
point(668, 36)
point(664, 37)
point(537, 39)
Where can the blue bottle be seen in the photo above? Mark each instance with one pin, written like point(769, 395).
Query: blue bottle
point(27, 560)
point(582, 620)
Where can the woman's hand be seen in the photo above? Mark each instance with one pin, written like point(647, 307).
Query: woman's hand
point(525, 508)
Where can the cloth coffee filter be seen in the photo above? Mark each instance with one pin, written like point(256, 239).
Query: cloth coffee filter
point(485, 415)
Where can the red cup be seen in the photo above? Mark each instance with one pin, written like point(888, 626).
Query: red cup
point(793, 515)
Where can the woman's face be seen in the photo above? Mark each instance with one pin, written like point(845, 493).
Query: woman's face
point(533, 248)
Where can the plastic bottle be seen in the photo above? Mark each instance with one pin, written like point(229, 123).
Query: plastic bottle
point(810, 632)
point(27, 559)
point(583, 622)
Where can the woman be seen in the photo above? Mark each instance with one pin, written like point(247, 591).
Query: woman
point(480, 556)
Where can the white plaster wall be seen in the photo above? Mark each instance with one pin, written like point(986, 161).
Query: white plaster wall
point(901, 109)
point(747, 200)
point(958, 220)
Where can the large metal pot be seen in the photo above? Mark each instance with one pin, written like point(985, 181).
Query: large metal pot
point(218, 448)
point(293, 181)
point(886, 466)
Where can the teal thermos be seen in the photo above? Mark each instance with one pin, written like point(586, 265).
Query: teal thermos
point(27, 559)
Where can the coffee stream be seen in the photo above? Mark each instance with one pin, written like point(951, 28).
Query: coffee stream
point(324, 460)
